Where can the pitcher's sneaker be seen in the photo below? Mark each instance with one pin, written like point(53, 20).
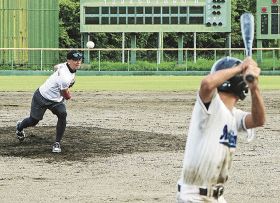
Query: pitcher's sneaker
point(20, 134)
point(56, 147)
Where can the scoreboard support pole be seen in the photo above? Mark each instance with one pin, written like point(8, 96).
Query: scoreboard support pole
point(133, 46)
point(160, 47)
point(228, 43)
point(194, 46)
point(123, 47)
point(85, 38)
point(180, 46)
point(259, 52)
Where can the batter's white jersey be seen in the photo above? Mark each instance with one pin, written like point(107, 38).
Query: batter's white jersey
point(211, 141)
point(59, 80)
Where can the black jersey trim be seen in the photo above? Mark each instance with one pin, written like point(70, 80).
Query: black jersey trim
point(70, 69)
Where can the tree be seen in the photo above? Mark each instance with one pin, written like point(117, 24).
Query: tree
point(69, 24)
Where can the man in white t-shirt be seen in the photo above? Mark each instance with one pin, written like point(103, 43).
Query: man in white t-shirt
point(213, 129)
point(51, 95)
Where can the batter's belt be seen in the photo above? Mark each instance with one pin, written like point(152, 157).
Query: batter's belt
point(215, 191)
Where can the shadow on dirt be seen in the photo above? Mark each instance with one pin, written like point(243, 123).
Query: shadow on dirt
point(82, 142)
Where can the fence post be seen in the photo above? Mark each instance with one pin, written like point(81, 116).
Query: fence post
point(274, 58)
point(186, 60)
point(158, 57)
point(194, 46)
point(215, 55)
point(12, 60)
point(123, 46)
point(99, 60)
point(128, 60)
point(41, 53)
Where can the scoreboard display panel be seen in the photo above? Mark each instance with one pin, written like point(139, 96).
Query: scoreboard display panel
point(268, 19)
point(155, 15)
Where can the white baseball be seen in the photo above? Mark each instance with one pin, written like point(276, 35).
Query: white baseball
point(90, 44)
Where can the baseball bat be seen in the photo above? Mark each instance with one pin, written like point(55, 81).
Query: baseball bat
point(247, 30)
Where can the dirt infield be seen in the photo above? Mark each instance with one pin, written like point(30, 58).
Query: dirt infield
point(124, 147)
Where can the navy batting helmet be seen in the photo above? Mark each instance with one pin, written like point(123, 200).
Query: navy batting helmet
point(74, 55)
point(236, 84)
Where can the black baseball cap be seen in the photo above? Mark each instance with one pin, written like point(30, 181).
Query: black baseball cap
point(74, 55)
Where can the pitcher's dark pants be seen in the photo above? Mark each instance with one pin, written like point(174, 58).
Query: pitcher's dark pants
point(39, 105)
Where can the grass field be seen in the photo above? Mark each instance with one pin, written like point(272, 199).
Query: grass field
point(123, 83)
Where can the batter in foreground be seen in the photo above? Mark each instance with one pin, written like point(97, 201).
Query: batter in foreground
point(213, 129)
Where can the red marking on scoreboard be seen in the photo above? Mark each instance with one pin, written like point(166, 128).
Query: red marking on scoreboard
point(264, 9)
point(274, 1)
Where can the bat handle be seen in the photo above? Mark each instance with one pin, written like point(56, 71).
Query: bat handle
point(249, 77)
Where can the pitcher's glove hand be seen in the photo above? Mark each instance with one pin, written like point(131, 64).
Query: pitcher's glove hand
point(66, 94)
point(71, 84)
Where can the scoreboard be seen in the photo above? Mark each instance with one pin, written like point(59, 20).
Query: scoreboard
point(268, 19)
point(155, 16)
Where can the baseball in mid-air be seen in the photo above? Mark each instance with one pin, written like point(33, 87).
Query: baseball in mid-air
point(90, 44)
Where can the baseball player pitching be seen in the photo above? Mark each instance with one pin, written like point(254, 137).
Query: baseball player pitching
point(51, 95)
point(214, 126)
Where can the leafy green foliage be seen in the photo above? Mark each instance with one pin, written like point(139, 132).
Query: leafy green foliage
point(69, 23)
point(200, 65)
